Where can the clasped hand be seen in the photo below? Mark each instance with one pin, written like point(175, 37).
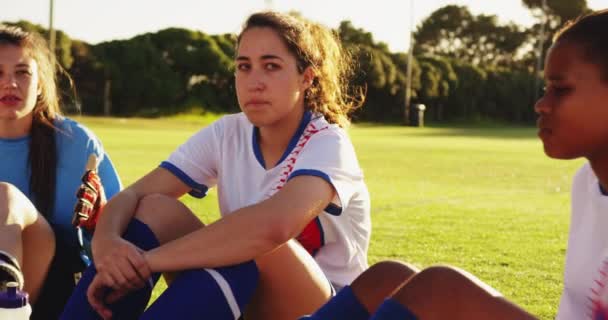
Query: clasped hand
point(121, 268)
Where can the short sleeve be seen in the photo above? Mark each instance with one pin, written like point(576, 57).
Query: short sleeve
point(78, 134)
point(195, 162)
point(331, 156)
point(109, 176)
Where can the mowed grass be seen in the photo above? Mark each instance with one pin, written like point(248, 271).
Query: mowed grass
point(484, 199)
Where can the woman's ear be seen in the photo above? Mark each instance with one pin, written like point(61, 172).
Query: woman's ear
point(309, 77)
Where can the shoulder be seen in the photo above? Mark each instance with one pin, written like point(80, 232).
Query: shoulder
point(233, 121)
point(327, 133)
point(76, 137)
point(69, 128)
point(227, 126)
point(584, 176)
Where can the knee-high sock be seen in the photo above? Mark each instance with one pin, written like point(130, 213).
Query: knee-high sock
point(129, 307)
point(392, 310)
point(344, 306)
point(219, 294)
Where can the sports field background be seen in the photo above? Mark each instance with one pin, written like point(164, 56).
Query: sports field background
point(484, 199)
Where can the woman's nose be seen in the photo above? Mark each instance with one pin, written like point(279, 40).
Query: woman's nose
point(256, 81)
point(8, 81)
point(541, 105)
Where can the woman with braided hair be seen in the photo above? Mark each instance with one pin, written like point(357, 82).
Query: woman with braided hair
point(295, 209)
point(42, 157)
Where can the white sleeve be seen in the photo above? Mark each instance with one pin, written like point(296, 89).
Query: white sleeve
point(331, 156)
point(195, 162)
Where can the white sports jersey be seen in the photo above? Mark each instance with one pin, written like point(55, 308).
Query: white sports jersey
point(586, 272)
point(227, 154)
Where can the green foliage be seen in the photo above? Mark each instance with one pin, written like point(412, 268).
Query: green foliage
point(561, 10)
point(453, 31)
point(550, 19)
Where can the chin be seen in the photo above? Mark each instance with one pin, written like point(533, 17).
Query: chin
point(8, 116)
point(560, 154)
point(260, 119)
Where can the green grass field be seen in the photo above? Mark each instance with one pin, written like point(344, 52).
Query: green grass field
point(484, 199)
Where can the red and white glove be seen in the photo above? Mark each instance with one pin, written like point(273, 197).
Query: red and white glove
point(90, 201)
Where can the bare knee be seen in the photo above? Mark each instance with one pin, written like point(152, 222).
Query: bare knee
point(394, 271)
point(385, 276)
point(288, 273)
point(440, 285)
point(15, 207)
point(159, 211)
point(380, 281)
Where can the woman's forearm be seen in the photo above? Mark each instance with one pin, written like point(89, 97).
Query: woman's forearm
point(115, 216)
point(234, 239)
point(247, 233)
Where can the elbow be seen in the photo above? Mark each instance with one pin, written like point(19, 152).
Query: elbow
point(279, 232)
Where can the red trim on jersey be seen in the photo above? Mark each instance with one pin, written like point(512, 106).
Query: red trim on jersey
point(312, 238)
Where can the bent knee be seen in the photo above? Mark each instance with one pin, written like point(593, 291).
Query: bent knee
point(386, 276)
point(394, 268)
point(9, 191)
point(449, 281)
point(15, 207)
point(153, 204)
point(158, 211)
point(441, 275)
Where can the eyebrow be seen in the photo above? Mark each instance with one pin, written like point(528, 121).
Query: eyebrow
point(264, 57)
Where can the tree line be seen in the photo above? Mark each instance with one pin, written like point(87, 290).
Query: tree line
point(465, 67)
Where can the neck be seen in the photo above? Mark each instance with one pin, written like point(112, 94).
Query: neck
point(274, 139)
point(277, 136)
point(15, 128)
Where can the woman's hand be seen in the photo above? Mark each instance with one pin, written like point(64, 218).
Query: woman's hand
point(121, 268)
point(100, 295)
point(122, 264)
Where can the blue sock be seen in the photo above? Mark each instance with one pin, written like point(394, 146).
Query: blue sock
point(392, 310)
point(344, 305)
point(218, 294)
point(132, 305)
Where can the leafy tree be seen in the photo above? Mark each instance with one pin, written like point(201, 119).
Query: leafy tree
point(551, 18)
point(447, 83)
point(380, 71)
point(466, 99)
point(88, 74)
point(452, 31)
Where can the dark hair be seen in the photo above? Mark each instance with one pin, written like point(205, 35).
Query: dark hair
point(42, 151)
point(315, 46)
point(590, 31)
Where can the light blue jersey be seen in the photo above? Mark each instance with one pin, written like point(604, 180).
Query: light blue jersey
point(74, 145)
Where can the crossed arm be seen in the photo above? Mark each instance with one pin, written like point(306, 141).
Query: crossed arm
point(124, 267)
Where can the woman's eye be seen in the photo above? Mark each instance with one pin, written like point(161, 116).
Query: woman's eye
point(272, 66)
point(24, 72)
point(243, 67)
point(558, 91)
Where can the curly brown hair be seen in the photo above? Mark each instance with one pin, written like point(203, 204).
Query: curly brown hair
point(315, 46)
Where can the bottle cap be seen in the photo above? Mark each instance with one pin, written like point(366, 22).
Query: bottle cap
point(13, 298)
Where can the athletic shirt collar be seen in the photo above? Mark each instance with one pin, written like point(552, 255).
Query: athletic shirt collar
point(292, 143)
point(15, 142)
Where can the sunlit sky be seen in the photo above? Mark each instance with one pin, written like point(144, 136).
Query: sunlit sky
point(388, 20)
